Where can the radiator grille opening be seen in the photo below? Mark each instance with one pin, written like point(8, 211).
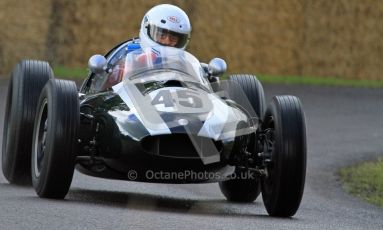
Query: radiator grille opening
point(181, 145)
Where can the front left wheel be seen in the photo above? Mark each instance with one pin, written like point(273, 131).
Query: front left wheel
point(285, 156)
point(55, 139)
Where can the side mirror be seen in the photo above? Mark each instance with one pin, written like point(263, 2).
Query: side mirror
point(97, 64)
point(217, 67)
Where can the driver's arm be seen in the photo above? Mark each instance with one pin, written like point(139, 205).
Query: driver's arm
point(207, 74)
point(115, 76)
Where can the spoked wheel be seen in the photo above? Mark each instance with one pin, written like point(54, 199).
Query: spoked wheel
point(40, 141)
point(284, 156)
point(25, 85)
point(245, 187)
point(54, 139)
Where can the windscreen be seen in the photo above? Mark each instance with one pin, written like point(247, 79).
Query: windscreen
point(162, 64)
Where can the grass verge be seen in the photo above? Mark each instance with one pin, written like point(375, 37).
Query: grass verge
point(70, 73)
point(329, 81)
point(365, 181)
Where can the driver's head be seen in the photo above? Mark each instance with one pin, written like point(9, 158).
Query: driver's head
point(165, 25)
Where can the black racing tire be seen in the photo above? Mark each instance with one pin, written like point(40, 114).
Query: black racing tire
point(253, 89)
point(282, 188)
point(26, 82)
point(255, 94)
point(243, 188)
point(54, 143)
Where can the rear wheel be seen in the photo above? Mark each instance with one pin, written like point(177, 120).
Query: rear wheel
point(253, 89)
point(54, 139)
point(245, 186)
point(26, 82)
point(255, 95)
point(285, 156)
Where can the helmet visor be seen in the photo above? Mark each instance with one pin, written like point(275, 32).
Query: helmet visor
point(167, 37)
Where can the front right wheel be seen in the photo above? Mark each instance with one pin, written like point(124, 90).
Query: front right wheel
point(285, 156)
point(27, 80)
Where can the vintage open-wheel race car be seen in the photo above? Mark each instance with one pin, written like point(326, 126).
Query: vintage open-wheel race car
point(155, 115)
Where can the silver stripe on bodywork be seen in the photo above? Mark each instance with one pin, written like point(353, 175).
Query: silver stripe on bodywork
point(142, 108)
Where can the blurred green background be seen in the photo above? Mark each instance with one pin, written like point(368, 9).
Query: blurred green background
point(340, 38)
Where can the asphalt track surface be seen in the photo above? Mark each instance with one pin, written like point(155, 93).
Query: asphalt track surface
point(344, 126)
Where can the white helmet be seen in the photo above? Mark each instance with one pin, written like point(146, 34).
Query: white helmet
point(165, 19)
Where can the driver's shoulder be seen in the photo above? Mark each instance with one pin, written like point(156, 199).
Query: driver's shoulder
point(124, 47)
point(130, 45)
point(120, 51)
